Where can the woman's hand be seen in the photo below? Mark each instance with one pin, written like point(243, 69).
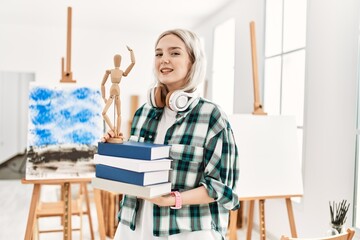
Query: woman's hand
point(163, 201)
point(109, 134)
point(193, 196)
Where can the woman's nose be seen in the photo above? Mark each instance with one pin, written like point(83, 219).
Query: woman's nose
point(164, 60)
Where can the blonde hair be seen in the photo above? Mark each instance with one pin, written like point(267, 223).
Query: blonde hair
point(197, 56)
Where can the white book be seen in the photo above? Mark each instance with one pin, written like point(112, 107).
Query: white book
point(130, 189)
point(133, 164)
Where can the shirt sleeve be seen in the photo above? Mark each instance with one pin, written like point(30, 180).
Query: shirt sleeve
point(221, 169)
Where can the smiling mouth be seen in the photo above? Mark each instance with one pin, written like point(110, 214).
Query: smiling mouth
point(166, 70)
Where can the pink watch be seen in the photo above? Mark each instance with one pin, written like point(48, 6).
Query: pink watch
point(178, 201)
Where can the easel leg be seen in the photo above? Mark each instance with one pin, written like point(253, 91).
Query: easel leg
point(233, 225)
point(262, 219)
point(240, 219)
point(250, 219)
point(111, 211)
point(67, 212)
point(88, 212)
point(36, 234)
point(31, 217)
point(100, 214)
point(291, 217)
point(81, 214)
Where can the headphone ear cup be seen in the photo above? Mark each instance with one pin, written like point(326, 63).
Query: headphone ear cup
point(179, 100)
point(157, 98)
point(160, 94)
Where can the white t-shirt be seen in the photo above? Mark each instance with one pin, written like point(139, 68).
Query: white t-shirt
point(144, 218)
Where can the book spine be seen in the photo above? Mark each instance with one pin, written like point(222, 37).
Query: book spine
point(118, 174)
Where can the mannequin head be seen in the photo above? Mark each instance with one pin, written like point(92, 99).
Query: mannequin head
point(117, 60)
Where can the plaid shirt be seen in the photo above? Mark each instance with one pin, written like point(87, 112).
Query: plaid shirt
point(204, 153)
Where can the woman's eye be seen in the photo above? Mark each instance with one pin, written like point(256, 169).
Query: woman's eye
point(175, 53)
point(158, 54)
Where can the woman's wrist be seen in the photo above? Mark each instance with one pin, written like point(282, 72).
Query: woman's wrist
point(164, 201)
point(170, 201)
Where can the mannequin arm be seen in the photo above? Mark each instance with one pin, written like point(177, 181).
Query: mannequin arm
point(105, 78)
point(132, 57)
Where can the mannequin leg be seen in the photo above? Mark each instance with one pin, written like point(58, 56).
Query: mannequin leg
point(105, 116)
point(118, 114)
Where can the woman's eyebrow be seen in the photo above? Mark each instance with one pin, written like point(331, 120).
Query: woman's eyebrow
point(170, 48)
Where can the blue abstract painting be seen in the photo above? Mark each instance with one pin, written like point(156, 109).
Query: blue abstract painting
point(65, 124)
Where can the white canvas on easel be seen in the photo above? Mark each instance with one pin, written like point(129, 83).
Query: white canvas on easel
point(268, 156)
point(269, 162)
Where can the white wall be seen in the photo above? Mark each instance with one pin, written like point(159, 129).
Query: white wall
point(39, 49)
point(330, 105)
point(330, 117)
point(243, 12)
point(13, 129)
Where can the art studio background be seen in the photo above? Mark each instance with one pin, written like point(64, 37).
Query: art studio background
point(321, 76)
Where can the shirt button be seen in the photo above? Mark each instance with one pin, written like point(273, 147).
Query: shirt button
point(151, 136)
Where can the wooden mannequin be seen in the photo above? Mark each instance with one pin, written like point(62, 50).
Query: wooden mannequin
point(116, 75)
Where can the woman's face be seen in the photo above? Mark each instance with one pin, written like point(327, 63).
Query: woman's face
point(172, 62)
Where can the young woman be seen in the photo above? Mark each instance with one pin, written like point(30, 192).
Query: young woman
point(203, 151)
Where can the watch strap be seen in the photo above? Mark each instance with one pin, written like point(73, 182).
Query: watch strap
point(178, 200)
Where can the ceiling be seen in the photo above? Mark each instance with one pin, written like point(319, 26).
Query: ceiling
point(136, 15)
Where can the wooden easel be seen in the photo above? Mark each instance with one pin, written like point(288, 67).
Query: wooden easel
point(65, 204)
point(258, 110)
point(67, 75)
point(234, 214)
point(134, 104)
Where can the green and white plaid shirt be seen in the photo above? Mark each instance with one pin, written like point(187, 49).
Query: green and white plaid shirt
point(204, 152)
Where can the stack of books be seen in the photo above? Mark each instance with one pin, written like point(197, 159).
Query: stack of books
point(133, 168)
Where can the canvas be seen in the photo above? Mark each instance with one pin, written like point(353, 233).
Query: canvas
point(65, 125)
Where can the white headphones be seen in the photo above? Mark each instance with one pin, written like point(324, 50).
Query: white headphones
point(177, 100)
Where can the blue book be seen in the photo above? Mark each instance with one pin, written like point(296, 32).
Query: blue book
point(126, 176)
point(136, 150)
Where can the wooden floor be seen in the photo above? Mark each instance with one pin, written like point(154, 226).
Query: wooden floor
point(14, 208)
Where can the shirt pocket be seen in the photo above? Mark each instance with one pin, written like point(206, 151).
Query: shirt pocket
point(187, 166)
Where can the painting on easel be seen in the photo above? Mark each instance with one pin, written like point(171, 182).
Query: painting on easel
point(65, 124)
